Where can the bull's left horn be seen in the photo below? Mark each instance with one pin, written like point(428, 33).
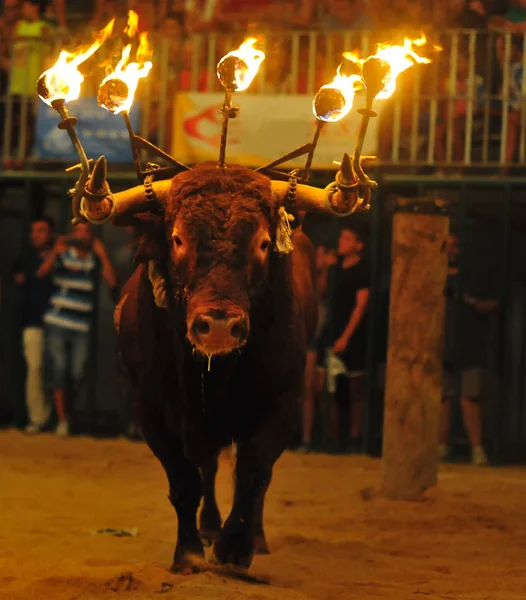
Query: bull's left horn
point(339, 197)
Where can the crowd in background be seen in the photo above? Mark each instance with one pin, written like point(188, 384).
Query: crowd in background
point(30, 30)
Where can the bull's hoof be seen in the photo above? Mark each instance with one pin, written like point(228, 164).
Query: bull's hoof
point(185, 567)
point(260, 545)
point(187, 558)
point(208, 536)
point(210, 525)
point(234, 545)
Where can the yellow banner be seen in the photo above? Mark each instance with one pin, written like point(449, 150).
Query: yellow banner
point(266, 128)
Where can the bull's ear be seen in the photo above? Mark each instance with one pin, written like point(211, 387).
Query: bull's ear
point(150, 235)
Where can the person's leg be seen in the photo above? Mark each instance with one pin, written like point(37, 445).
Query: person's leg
point(58, 364)
point(309, 396)
point(80, 347)
point(448, 391)
point(38, 410)
point(357, 387)
point(472, 412)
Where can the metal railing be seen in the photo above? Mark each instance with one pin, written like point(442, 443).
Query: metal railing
point(466, 109)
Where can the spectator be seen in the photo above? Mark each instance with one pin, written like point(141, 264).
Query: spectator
point(349, 322)
point(239, 15)
point(31, 43)
point(73, 264)
point(475, 305)
point(515, 17)
point(513, 95)
point(8, 20)
point(37, 292)
point(348, 15)
point(325, 258)
point(459, 109)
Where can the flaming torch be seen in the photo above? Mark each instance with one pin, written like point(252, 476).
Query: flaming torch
point(117, 92)
point(332, 102)
point(379, 74)
point(236, 71)
point(60, 84)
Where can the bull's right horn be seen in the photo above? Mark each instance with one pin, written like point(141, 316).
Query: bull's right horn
point(341, 197)
point(99, 205)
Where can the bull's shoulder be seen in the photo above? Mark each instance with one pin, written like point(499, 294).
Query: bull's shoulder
point(134, 318)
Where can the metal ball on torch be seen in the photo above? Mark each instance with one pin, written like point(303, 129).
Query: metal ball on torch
point(226, 72)
point(328, 105)
point(374, 71)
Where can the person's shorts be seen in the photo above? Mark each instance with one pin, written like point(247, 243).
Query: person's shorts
point(354, 357)
point(68, 356)
point(471, 385)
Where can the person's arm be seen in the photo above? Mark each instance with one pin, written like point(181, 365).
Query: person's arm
point(19, 271)
point(482, 306)
point(362, 299)
point(48, 265)
point(108, 272)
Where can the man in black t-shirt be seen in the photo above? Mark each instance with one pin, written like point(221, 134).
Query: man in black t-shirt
point(37, 292)
point(466, 330)
point(347, 334)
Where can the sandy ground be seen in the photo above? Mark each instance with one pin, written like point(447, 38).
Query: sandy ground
point(331, 534)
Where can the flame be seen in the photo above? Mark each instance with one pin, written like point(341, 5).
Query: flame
point(333, 107)
point(237, 69)
point(132, 25)
point(398, 58)
point(117, 90)
point(63, 80)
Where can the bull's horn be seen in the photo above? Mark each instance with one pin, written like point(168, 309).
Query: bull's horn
point(98, 176)
point(99, 205)
point(340, 197)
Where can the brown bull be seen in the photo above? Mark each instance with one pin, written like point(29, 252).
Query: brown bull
point(232, 299)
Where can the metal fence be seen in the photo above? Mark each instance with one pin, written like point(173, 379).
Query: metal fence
point(466, 109)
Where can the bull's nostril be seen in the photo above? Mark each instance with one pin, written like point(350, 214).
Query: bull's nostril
point(237, 331)
point(201, 327)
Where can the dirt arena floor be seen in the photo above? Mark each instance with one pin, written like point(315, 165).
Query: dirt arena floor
point(332, 535)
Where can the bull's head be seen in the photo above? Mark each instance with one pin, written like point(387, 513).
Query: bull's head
point(219, 235)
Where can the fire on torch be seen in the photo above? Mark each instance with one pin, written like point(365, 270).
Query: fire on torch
point(61, 84)
point(236, 71)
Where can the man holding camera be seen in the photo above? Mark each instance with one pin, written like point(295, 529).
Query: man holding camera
point(73, 263)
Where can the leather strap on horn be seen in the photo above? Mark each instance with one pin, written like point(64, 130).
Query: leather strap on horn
point(97, 198)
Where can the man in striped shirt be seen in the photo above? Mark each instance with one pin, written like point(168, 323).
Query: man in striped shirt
point(74, 264)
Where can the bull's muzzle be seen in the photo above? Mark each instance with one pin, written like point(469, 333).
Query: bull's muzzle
point(218, 332)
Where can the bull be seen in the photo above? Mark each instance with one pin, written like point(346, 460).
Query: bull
point(209, 286)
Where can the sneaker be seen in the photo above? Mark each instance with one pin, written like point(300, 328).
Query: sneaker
point(62, 430)
point(478, 457)
point(33, 428)
point(442, 452)
point(304, 448)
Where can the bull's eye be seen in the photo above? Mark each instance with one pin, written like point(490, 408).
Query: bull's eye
point(177, 240)
point(265, 245)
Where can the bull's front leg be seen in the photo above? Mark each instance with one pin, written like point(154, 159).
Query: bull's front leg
point(256, 456)
point(185, 489)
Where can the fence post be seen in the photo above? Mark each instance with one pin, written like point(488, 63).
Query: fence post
point(374, 289)
point(414, 359)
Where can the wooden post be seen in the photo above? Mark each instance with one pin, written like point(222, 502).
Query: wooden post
point(415, 354)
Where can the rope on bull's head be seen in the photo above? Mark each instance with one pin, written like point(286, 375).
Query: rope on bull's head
point(283, 244)
point(157, 278)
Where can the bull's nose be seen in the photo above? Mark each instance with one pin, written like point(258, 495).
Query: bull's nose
point(238, 328)
point(201, 325)
point(219, 330)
